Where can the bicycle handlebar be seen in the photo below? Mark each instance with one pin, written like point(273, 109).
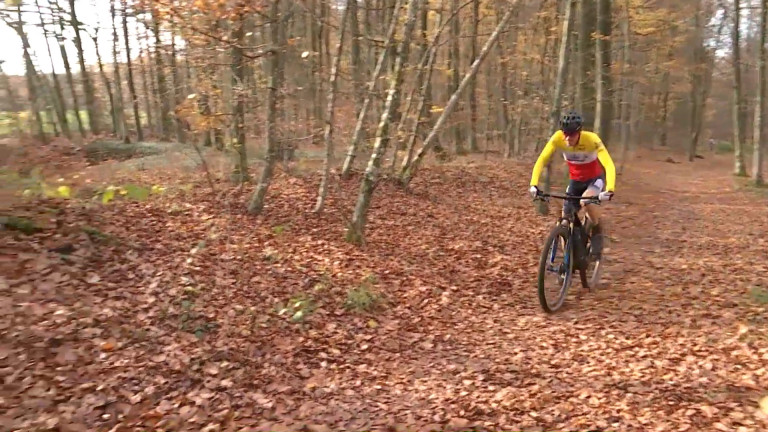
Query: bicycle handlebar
point(562, 196)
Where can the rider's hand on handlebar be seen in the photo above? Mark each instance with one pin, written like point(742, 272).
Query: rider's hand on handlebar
point(605, 196)
point(534, 191)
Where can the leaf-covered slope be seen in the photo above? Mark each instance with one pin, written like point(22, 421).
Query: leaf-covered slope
point(183, 312)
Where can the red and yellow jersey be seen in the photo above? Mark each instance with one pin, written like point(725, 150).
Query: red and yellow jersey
point(583, 159)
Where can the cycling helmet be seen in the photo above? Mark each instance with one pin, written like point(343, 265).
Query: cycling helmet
point(571, 122)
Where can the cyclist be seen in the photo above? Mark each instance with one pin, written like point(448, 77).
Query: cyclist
point(584, 152)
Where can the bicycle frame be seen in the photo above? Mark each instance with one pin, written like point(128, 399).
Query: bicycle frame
point(574, 224)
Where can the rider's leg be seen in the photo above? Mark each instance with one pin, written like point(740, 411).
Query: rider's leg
point(594, 212)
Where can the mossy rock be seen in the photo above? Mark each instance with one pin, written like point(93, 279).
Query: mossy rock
point(102, 150)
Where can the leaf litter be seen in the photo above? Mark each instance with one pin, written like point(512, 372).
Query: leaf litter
point(178, 326)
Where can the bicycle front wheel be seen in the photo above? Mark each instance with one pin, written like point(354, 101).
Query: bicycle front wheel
point(555, 261)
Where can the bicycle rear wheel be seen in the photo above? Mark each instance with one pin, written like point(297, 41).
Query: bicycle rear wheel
point(557, 240)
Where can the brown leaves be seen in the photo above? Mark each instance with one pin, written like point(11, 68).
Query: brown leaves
point(461, 345)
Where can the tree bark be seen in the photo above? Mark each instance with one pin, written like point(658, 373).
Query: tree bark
point(355, 231)
point(357, 134)
point(585, 90)
point(603, 85)
point(759, 134)
point(739, 169)
point(557, 99)
point(430, 141)
point(239, 90)
point(61, 104)
point(256, 204)
point(473, 83)
point(31, 78)
point(166, 124)
point(129, 64)
point(90, 98)
point(454, 66)
point(68, 71)
point(329, 110)
point(119, 113)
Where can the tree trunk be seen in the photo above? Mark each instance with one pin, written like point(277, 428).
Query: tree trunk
point(61, 104)
point(626, 85)
point(557, 99)
point(31, 77)
point(423, 83)
point(119, 113)
point(68, 71)
point(355, 232)
point(329, 110)
point(90, 99)
point(473, 83)
point(105, 81)
point(147, 76)
point(177, 85)
point(739, 168)
point(663, 122)
point(504, 123)
point(166, 124)
point(131, 85)
point(357, 63)
point(585, 88)
point(240, 171)
point(357, 134)
point(431, 138)
point(256, 205)
point(603, 85)
point(454, 67)
point(759, 135)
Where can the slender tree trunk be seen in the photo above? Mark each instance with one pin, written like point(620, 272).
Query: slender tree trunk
point(61, 104)
point(423, 84)
point(603, 85)
point(119, 108)
point(504, 123)
point(557, 100)
point(626, 85)
point(663, 122)
point(177, 85)
point(455, 68)
point(256, 204)
point(759, 134)
point(68, 71)
point(473, 83)
point(166, 124)
point(739, 168)
point(129, 64)
point(85, 75)
point(147, 75)
point(585, 89)
point(31, 77)
point(105, 81)
point(358, 132)
point(357, 63)
point(431, 138)
point(355, 232)
point(329, 110)
point(240, 172)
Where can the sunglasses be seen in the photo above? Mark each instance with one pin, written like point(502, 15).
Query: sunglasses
point(569, 134)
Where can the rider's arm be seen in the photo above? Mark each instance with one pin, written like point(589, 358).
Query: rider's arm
point(546, 153)
point(610, 170)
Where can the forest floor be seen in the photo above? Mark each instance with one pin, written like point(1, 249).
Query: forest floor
point(181, 312)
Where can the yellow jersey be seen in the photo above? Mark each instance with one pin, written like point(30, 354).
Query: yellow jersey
point(583, 159)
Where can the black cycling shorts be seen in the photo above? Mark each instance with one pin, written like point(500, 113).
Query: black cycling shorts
point(576, 187)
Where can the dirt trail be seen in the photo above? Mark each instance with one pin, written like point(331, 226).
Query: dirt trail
point(674, 340)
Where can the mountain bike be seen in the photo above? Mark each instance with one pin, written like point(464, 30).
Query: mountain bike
point(572, 235)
